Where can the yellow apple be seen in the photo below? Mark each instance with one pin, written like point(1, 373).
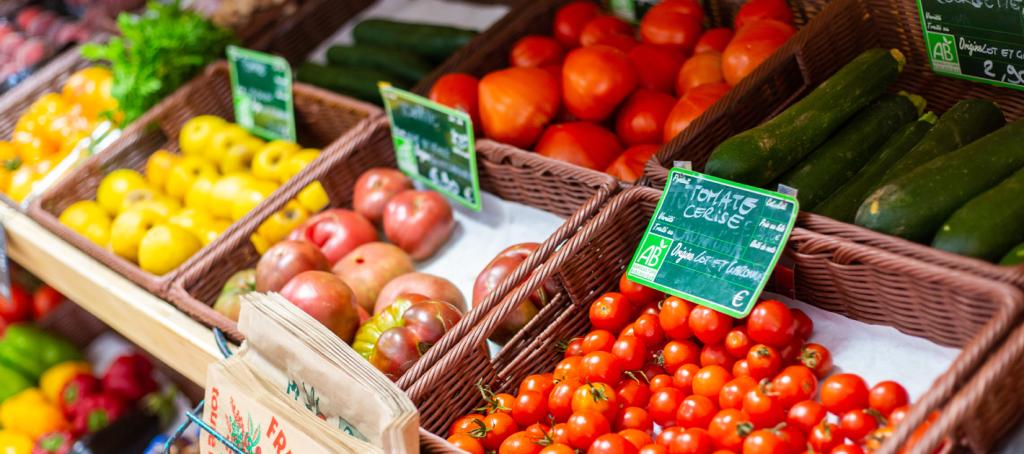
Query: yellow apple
point(89, 219)
point(128, 229)
point(165, 247)
point(250, 197)
point(269, 163)
point(115, 185)
point(185, 172)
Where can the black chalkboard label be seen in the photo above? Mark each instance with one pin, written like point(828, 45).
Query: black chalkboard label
point(978, 40)
point(261, 87)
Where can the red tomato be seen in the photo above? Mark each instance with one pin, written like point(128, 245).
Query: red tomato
point(755, 10)
point(638, 294)
point(567, 368)
point(715, 354)
point(764, 409)
point(663, 405)
point(795, 384)
point(763, 361)
point(535, 51)
point(771, 323)
point(595, 80)
point(887, 396)
point(667, 435)
point(45, 300)
point(752, 45)
point(560, 433)
point(857, 424)
point(598, 340)
point(466, 443)
point(541, 383)
point(847, 449)
point(714, 40)
point(691, 106)
point(795, 438)
point(765, 441)
point(570, 20)
point(695, 411)
point(692, 441)
point(529, 408)
point(610, 312)
point(597, 397)
point(634, 418)
point(678, 353)
point(18, 308)
point(631, 351)
point(501, 403)
point(657, 65)
point(732, 394)
point(647, 328)
point(538, 430)
point(625, 43)
point(574, 347)
point(671, 28)
point(520, 443)
point(805, 415)
point(728, 428)
point(687, 7)
point(466, 424)
point(841, 393)
point(824, 437)
point(581, 143)
point(629, 166)
point(602, 27)
point(584, 427)
point(516, 103)
point(642, 116)
point(458, 91)
point(817, 358)
point(737, 343)
point(633, 393)
point(804, 324)
point(709, 325)
point(741, 368)
point(660, 381)
point(498, 427)
point(638, 438)
point(601, 367)
point(653, 449)
point(701, 69)
point(683, 378)
point(611, 444)
point(673, 317)
point(897, 415)
point(790, 354)
point(627, 331)
point(560, 398)
point(710, 380)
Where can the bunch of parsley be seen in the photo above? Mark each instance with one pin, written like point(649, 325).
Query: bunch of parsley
point(158, 51)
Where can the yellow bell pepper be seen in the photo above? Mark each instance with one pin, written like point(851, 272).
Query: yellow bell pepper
point(30, 413)
point(53, 380)
point(12, 442)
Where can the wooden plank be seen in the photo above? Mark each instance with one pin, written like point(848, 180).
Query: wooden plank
point(151, 323)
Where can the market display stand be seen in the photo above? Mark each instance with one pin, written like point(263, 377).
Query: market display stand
point(151, 323)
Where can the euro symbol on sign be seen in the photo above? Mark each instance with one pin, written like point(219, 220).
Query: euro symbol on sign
point(737, 299)
point(653, 254)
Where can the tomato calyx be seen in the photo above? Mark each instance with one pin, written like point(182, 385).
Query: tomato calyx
point(598, 393)
point(744, 428)
point(879, 417)
point(563, 345)
point(810, 358)
point(632, 375)
point(481, 429)
point(766, 387)
point(492, 404)
point(12, 164)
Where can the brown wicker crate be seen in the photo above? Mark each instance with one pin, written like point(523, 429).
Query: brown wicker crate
point(858, 281)
point(321, 118)
point(504, 171)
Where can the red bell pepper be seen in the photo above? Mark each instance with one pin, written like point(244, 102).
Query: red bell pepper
point(130, 377)
point(79, 387)
point(54, 443)
point(96, 412)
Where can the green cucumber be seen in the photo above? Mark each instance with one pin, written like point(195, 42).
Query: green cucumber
point(842, 205)
point(1014, 257)
point(359, 83)
point(407, 65)
point(848, 150)
point(965, 122)
point(915, 205)
point(760, 155)
point(435, 42)
point(989, 225)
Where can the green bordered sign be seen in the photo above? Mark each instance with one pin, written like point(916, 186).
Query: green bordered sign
point(631, 10)
point(713, 241)
point(261, 85)
point(978, 40)
point(433, 144)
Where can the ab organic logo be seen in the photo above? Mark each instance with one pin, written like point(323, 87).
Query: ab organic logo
point(942, 52)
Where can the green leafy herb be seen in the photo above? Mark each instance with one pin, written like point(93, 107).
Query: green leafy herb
point(157, 52)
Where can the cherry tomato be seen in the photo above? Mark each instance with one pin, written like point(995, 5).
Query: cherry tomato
point(541, 383)
point(647, 328)
point(692, 441)
point(732, 394)
point(673, 317)
point(560, 399)
point(516, 103)
point(629, 166)
point(688, 7)
point(657, 65)
point(458, 91)
point(804, 415)
point(568, 368)
point(671, 28)
point(709, 325)
point(729, 427)
point(841, 393)
point(574, 347)
point(790, 354)
point(634, 418)
point(597, 397)
point(691, 106)
point(695, 411)
point(498, 427)
point(653, 449)
point(804, 324)
point(466, 443)
point(663, 405)
point(633, 393)
point(817, 358)
point(683, 378)
point(466, 424)
point(700, 69)
point(764, 409)
point(824, 436)
point(638, 294)
point(737, 343)
point(627, 331)
point(642, 117)
point(611, 444)
point(765, 441)
point(754, 10)
point(660, 381)
point(716, 354)
point(558, 448)
point(580, 143)
point(741, 368)
point(898, 415)
point(771, 323)
point(595, 80)
point(679, 353)
point(887, 396)
point(18, 308)
point(598, 340)
point(794, 384)
point(610, 312)
point(631, 352)
point(584, 427)
point(795, 438)
point(667, 435)
point(877, 438)
point(751, 46)
point(601, 367)
point(652, 369)
point(570, 20)
point(713, 40)
point(857, 424)
point(710, 380)
point(847, 449)
point(45, 299)
point(598, 29)
point(638, 438)
point(538, 430)
point(534, 51)
point(560, 433)
point(520, 443)
point(530, 407)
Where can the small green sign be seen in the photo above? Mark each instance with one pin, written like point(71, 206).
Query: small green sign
point(981, 41)
point(713, 241)
point(631, 10)
point(261, 85)
point(434, 144)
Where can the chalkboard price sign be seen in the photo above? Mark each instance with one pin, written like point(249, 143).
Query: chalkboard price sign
point(261, 86)
point(977, 40)
point(713, 241)
point(434, 144)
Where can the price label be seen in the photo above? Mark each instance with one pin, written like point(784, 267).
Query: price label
point(434, 144)
point(261, 85)
point(981, 41)
point(713, 241)
point(631, 10)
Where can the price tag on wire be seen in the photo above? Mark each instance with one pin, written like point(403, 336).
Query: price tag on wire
point(714, 242)
point(261, 87)
point(434, 144)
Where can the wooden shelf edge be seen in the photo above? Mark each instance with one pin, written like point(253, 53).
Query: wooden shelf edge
point(151, 323)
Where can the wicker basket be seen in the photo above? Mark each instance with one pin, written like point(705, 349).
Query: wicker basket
point(807, 60)
point(321, 118)
point(504, 171)
point(833, 274)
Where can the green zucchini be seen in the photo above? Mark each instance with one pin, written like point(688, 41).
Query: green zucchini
point(435, 42)
point(848, 150)
point(359, 83)
point(915, 205)
point(842, 205)
point(760, 155)
point(1014, 257)
point(989, 225)
point(965, 122)
point(404, 64)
